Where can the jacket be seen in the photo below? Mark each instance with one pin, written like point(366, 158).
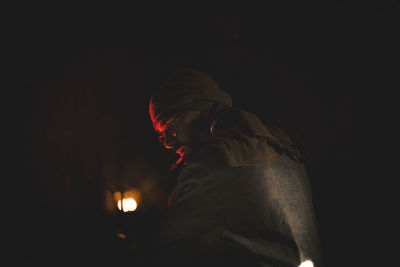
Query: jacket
point(243, 200)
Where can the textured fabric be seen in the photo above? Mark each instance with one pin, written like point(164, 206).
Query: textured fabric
point(240, 134)
point(243, 199)
point(184, 87)
point(258, 215)
point(245, 140)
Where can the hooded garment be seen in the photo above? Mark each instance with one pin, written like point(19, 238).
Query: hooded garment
point(244, 199)
point(185, 88)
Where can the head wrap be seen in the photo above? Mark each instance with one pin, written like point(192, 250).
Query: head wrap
point(244, 141)
point(183, 88)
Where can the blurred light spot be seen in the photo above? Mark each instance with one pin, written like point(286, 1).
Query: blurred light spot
point(127, 204)
point(130, 200)
point(121, 235)
point(307, 263)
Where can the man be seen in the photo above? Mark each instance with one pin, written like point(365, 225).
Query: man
point(242, 196)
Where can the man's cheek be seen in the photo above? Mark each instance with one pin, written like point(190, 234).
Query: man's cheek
point(181, 140)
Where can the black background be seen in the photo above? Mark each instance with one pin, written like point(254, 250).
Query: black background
point(78, 78)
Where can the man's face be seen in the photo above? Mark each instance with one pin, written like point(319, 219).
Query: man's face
point(179, 131)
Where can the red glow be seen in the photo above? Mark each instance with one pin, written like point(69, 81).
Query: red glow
point(168, 147)
point(179, 160)
point(152, 113)
point(159, 127)
point(180, 151)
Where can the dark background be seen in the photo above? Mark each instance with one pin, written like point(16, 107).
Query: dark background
point(78, 78)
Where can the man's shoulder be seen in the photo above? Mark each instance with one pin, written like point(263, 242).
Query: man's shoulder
point(242, 135)
point(241, 139)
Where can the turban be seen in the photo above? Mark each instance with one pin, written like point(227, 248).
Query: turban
point(245, 140)
point(182, 90)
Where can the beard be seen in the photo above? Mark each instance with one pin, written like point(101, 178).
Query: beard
point(186, 152)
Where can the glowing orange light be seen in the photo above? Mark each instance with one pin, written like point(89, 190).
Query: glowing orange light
point(127, 204)
point(128, 201)
point(121, 235)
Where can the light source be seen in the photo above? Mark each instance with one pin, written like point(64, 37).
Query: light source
point(127, 204)
point(128, 200)
point(121, 204)
point(307, 263)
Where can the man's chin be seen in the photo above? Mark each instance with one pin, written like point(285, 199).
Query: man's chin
point(184, 152)
point(181, 151)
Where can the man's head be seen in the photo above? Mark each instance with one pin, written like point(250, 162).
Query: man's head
point(180, 110)
point(182, 131)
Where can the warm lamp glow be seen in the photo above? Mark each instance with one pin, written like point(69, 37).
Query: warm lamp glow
point(130, 200)
point(307, 263)
point(128, 204)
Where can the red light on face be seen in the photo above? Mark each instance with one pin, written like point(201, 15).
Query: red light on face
point(159, 127)
point(167, 133)
point(162, 140)
point(152, 112)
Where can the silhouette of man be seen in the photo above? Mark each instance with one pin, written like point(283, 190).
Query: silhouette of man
point(242, 197)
